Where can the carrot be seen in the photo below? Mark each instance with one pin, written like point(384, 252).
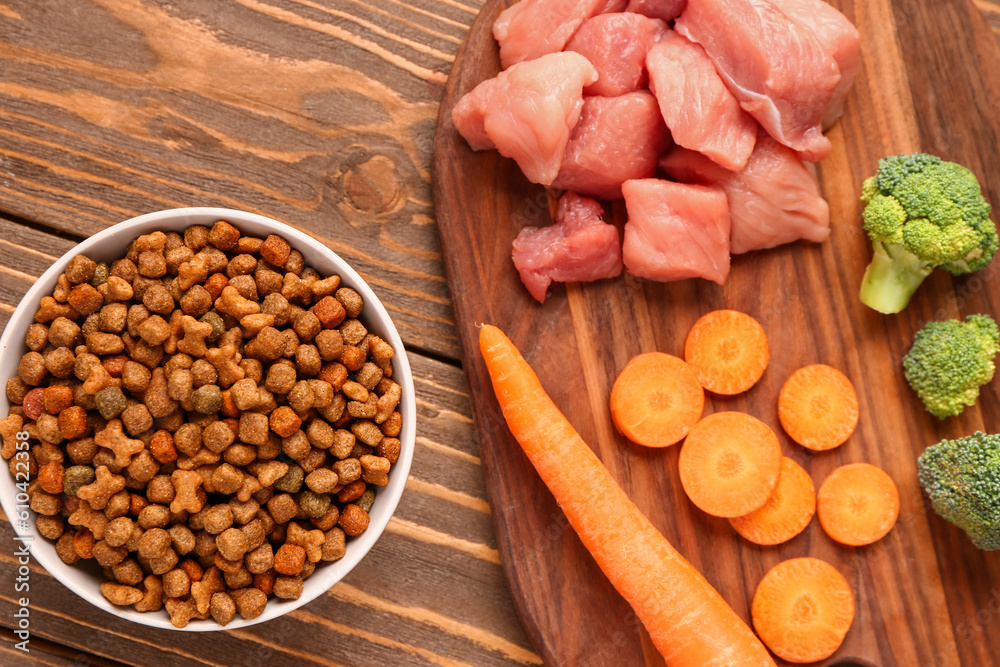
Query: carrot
point(656, 399)
point(727, 350)
point(786, 513)
point(857, 504)
point(818, 407)
point(687, 619)
point(803, 609)
point(730, 463)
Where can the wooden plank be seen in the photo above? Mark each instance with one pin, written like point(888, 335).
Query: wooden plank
point(320, 114)
point(45, 653)
point(927, 81)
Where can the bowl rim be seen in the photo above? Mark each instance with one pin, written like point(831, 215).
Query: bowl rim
point(387, 498)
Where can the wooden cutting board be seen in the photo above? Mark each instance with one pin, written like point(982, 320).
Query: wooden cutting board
point(925, 596)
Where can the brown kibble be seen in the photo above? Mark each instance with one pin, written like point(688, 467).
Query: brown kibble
point(31, 369)
point(329, 311)
point(127, 572)
point(275, 250)
point(60, 362)
point(137, 419)
point(284, 421)
point(307, 325)
point(63, 333)
point(353, 520)
point(112, 318)
point(251, 603)
point(154, 543)
point(253, 428)
point(353, 358)
point(121, 595)
point(158, 299)
point(218, 518)
point(152, 598)
point(353, 332)
point(282, 508)
point(152, 264)
point(176, 583)
point(116, 288)
point(187, 485)
point(49, 309)
point(108, 556)
point(223, 235)
point(85, 299)
point(181, 611)
point(118, 531)
point(36, 336)
point(226, 362)
point(100, 491)
point(65, 549)
point(154, 330)
point(112, 437)
point(289, 559)
point(195, 333)
point(222, 608)
point(232, 544)
point(50, 527)
point(288, 588)
point(388, 448)
point(80, 269)
point(161, 446)
point(367, 432)
point(56, 399)
point(196, 301)
point(231, 302)
point(226, 479)
point(50, 477)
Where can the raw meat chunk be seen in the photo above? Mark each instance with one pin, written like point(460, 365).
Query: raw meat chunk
point(533, 28)
point(616, 44)
point(839, 37)
point(776, 67)
point(774, 200)
point(578, 247)
point(698, 108)
point(676, 231)
point(617, 139)
point(527, 112)
point(665, 10)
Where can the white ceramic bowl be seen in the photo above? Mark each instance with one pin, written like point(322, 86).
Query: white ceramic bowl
point(111, 244)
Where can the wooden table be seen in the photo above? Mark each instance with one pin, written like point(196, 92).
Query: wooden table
point(319, 113)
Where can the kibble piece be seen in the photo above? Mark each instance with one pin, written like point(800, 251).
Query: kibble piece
point(60, 362)
point(253, 428)
point(351, 301)
point(120, 595)
point(288, 588)
point(222, 608)
point(329, 311)
point(223, 235)
point(136, 418)
point(353, 520)
point(157, 298)
point(275, 250)
point(154, 516)
point(182, 539)
point(50, 527)
point(226, 479)
point(154, 543)
point(232, 544)
point(282, 508)
point(181, 611)
point(218, 518)
point(207, 399)
point(251, 603)
point(176, 583)
point(353, 358)
point(289, 559)
point(128, 572)
point(291, 481)
point(85, 299)
point(80, 269)
point(108, 556)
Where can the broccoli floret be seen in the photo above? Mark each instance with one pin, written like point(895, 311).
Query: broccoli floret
point(962, 478)
point(950, 361)
point(921, 213)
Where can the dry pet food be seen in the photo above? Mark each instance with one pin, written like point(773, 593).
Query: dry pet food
point(209, 419)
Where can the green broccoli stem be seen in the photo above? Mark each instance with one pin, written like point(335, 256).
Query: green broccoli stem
point(892, 277)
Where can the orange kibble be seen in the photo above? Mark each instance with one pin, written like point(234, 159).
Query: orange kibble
point(284, 421)
point(56, 399)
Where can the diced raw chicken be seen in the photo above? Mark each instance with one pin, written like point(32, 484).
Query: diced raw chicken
point(779, 71)
point(533, 28)
point(665, 10)
point(527, 112)
point(698, 108)
point(578, 247)
point(774, 200)
point(616, 44)
point(617, 139)
point(676, 231)
point(839, 37)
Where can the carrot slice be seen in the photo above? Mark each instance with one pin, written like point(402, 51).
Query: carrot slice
point(786, 513)
point(818, 407)
point(690, 624)
point(656, 400)
point(858, 504)
point(727, 350)
point(730, 463)
point(803, 609)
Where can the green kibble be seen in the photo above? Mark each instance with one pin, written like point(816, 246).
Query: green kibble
point(314, 504)
point(75, 477)
point(208, 399)
point(111, 402)
point(291, 481)
point(218, 326)
point(366, 500)
point(101, 274)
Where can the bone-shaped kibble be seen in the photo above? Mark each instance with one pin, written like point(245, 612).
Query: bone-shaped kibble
point(195, 332)
point(100, 491)
point(88, 517)
point(113, 437)
point(310, 540)
point(186, 486)
point(226, 360)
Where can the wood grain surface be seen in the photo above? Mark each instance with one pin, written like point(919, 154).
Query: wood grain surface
point(925, 596)
point(320, 113)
